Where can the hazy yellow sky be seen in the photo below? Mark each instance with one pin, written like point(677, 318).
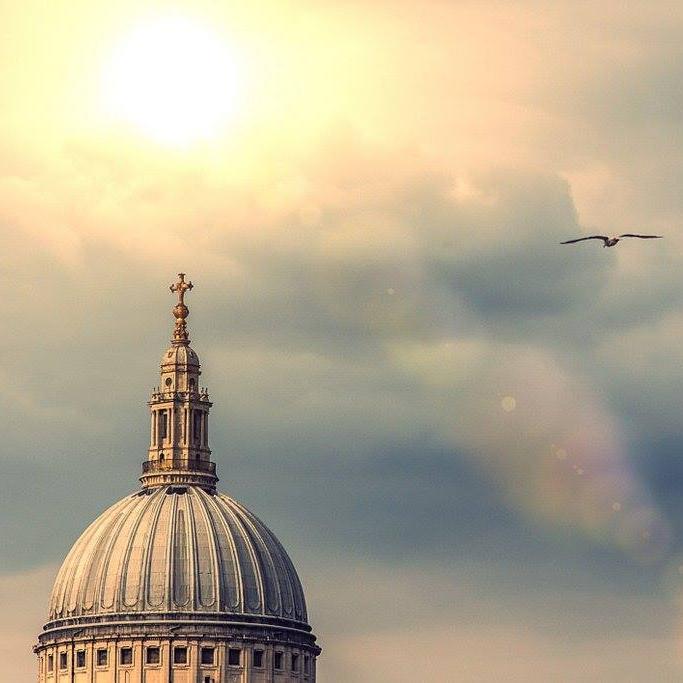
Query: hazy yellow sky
point(415, 385)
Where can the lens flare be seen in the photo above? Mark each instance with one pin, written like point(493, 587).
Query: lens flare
point(562, 460)
point(509, 403)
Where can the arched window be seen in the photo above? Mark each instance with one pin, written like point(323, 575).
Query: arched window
point(163, 425)
point(197, 426)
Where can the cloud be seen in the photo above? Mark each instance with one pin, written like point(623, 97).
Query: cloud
point(405, 363)
point(644, 363)
point(492, 653)
point(23, 597)
point(360, 299)
point(417, 620)
point(543, 436)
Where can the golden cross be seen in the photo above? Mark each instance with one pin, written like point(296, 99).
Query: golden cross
point(181, 287)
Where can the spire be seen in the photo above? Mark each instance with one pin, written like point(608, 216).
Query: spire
point(179, 450)
point(181, 311)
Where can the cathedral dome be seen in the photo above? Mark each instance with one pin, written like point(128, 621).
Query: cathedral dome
point(177, 581)
point(177, 549)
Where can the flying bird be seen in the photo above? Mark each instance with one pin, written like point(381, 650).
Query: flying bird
point(612, 241)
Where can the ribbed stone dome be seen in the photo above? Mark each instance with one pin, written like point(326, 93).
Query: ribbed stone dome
point(177, 549)
point(177, 582)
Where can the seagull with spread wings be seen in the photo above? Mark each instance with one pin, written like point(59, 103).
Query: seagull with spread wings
point(612, 241)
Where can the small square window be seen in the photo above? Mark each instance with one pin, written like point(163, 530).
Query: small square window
point(153, 655)
point(277, 660)
point(207, 655)
point(50, 662)
point(80, 659)
point(295, 662)
point(126, 657)
point(258, 658)
point(62, 660)
point(180, 655)
point(234, 656)
point(101, 658)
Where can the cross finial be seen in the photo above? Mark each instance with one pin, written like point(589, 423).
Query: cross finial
point(181, 287)
point(180, 311)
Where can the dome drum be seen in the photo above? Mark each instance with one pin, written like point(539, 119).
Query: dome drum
point(154, 658)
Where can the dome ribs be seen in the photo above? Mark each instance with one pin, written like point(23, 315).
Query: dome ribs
point(252, 582)
point(131, 593)
point(105, 570)
point(170, 551)
point(94, 576)
point(231, 580)
point(285, 584)
point(272, 589)
point(207, 557)
point(192, 561)
point(157, 569)
point(178, 549)
point(181, 560)
point(297, 589)
point(67, 575)
point(119, 562)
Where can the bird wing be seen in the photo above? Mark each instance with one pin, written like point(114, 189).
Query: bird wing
point(642, 237)
point(582, 239)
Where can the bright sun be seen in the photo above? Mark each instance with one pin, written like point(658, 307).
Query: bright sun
point(173, 79)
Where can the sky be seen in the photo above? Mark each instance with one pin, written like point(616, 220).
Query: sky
point(467, 436)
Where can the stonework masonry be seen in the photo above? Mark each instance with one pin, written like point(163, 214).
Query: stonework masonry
point(177, 582)
point(151, 660)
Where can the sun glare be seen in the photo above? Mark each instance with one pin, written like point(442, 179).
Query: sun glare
point(174, 80)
